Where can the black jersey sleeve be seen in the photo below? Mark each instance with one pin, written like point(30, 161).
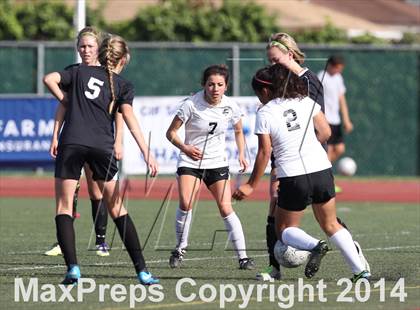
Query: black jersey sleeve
point(66, 77)
point(316, 91)
point(126, 95)
point(70, 67)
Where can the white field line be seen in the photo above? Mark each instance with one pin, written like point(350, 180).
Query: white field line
point(194, 259)
point(156, 247)
point(355, 236)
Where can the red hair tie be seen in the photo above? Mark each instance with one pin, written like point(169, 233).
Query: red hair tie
point(262, 81)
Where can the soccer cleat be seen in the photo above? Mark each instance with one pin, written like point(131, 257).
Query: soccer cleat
point(54, 251)
point(72, 275)
point(146, 278)
point(314, 261)
point(176, 258)
point(102, 249)
point(362, 275)
point(270, 273)
point(362, 257)
point(246, 263)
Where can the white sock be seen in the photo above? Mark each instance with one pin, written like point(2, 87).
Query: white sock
point(343, 240)
point(182, 227)
point(236, 235)
point(299, 239)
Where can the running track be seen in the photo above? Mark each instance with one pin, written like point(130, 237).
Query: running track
point(353, 191)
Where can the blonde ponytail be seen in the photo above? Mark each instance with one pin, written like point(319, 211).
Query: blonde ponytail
point(113, 49)
point(284, 41)
point(111, 85)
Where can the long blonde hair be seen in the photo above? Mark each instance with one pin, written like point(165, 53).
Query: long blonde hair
point(285, 42)
point(113, 49)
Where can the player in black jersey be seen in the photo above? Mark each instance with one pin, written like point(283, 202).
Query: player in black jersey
point(88, 42)
point(95, 94)
point(283, 49)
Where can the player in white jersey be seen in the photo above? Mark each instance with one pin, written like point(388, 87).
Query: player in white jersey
point(206, 116)
point(283, 49)
point(335, 104)
point(286, 124)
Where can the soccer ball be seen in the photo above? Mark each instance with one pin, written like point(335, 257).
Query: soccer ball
point(346, 166)
point(288, 256)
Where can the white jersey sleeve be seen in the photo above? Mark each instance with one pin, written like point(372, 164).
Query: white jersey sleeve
point(184, 111)
point(262, 125)
point(237, 113)
point(317, 109)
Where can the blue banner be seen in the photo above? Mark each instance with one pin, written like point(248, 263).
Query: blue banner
point(26, 127)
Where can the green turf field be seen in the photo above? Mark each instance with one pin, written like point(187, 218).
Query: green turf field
point(389, 234)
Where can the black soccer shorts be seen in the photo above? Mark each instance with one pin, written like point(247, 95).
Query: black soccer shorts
point(296, 193)
point(337, 136)
point(209, 176)
point(71, 158)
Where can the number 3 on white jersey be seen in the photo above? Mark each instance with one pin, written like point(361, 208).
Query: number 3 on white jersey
point(93, 84)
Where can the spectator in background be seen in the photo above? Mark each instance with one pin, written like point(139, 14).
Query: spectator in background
point(335, 104)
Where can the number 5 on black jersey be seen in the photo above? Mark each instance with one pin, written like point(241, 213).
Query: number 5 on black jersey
point(93, 85)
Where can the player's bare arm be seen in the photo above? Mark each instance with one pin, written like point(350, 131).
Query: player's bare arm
point(118, 147)
point(345, 115)
point(240, 143)
point(133, 126)
point(323, 129)
point(261, 161)
point(58, 123)
point(171, 134)
point(52, 81)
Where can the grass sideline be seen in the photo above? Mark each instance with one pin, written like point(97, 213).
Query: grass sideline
point(389, 233)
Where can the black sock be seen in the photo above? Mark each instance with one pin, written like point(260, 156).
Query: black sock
point(270, 234)
point(131, 241)
point(66, 238)
point(340, 221)
point(100, 218)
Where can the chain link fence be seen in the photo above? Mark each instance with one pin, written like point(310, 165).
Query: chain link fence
point(382, 83)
